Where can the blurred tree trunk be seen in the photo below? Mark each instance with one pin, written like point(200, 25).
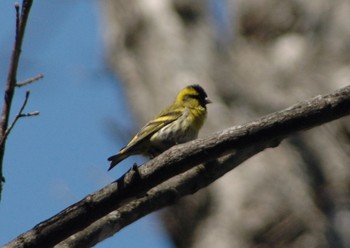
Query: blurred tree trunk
point(252, 57)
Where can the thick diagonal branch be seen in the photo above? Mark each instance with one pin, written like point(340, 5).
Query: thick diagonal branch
point(158, 197)
point(265, 132)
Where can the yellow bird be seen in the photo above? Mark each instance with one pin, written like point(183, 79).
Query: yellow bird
point(178, 123)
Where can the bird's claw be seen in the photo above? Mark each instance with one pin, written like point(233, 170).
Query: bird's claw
point(135, 168)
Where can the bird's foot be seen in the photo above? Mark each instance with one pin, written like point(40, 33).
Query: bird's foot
point(135, 168)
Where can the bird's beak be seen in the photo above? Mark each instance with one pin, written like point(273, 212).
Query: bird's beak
point(207, 101)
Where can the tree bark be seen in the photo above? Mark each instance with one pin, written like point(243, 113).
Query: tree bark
point(182, 170)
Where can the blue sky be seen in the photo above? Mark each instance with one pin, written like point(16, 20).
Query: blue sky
point(59, 157)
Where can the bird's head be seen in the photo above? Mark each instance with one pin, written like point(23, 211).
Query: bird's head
point(193, 96)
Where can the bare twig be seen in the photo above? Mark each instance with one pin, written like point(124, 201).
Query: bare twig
point(29, 80)
point(255, 136)
point(21, 21)
point(19, 115)
point(33, 113)
point(17, 19)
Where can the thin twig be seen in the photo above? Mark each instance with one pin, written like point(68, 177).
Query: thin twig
point(34, 113)
point(29, 80)
point(21, 21)
point(19, 115)
point(17, 19)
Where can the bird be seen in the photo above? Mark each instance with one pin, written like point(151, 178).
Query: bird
point(178, 123)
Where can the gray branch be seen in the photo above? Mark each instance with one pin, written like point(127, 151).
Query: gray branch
point(181, 170)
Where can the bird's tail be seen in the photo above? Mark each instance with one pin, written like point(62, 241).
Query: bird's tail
point(115, 159)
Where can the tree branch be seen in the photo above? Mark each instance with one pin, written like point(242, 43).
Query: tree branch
point(21, 21)
point(29, 80)
point(158, 197)
point(180, 163)
point(19, 115)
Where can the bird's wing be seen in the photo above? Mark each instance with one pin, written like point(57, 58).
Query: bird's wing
point(163, 119)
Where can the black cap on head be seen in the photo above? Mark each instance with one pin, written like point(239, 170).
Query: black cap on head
point(202, 95)
point(199, 89)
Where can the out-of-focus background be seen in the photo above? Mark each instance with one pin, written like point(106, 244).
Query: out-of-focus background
point(252, 57)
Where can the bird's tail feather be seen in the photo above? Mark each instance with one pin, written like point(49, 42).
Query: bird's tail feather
point(115, 159)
